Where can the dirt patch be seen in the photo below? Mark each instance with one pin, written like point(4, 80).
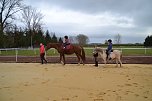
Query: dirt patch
point(55, 82)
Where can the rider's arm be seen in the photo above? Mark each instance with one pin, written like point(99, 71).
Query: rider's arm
point(109, 47)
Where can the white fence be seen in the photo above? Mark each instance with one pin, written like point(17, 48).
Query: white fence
point(121, 49)
point(35, 51)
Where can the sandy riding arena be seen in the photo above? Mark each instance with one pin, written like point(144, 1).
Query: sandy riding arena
point(54, 82)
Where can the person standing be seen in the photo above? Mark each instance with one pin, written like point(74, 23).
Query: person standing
point(42, 53)
point(95, 55)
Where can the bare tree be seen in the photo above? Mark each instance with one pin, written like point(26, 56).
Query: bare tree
point(82, 39)
point(106, 42)
point(8, 9)
point(117, 39)
point(32, 19)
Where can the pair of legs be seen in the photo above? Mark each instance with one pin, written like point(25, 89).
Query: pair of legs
point(42, 58)
point(108, 53)
point(65, 44)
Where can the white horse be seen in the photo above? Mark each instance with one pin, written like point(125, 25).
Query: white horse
point(116, 54)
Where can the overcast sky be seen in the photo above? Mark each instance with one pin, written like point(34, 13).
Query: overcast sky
point(98, 19)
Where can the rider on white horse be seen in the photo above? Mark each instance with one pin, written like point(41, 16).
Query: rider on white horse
point(109, 49)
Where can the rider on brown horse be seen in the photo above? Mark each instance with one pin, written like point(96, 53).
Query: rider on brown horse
point(66, 42)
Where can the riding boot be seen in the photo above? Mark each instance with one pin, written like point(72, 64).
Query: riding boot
point(45, 61)
point(96, 63)
point(107, 58)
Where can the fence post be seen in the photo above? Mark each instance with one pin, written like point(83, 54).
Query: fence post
point(121, 50)
point(16, 51)
point(145, 51)
point(35, 51)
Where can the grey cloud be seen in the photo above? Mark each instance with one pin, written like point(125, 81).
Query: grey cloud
point(139, 10)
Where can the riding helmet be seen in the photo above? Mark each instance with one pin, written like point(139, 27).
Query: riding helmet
point(66, 37)
point(110, 40)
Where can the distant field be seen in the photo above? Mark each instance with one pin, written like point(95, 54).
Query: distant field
point(88, 50)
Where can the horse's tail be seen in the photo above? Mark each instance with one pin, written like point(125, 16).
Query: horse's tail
point(83, 54)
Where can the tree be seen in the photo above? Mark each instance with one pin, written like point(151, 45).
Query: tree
point(54, 38)
point(60, 40)
point(72, 39)
point(148, 41)
point(8, 9)
point(47, 37)
point(82, 39)
point(117, 39)
point(106, 42)
point(39, 38)
point(32, 19)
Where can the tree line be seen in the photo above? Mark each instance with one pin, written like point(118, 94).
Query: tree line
point(22, 38)
point(148, 41)
point(31, 33)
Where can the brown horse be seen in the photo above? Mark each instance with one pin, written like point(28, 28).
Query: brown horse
point(78, 50)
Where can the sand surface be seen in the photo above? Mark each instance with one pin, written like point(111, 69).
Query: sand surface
point(54, 82)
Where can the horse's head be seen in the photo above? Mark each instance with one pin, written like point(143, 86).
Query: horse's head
point(52, 45)
point(49, 45)
point(97, 49)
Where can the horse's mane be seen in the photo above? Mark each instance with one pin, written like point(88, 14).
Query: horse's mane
point(98, 49)
point(55, 43)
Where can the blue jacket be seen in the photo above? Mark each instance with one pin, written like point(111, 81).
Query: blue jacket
point(109, 47)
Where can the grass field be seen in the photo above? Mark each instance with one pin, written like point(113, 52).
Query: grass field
point(88, 51)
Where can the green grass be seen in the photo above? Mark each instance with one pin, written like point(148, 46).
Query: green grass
point(137, 52)
point(53, 52)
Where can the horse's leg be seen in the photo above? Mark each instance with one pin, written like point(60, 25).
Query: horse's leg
point(82, 59)
point(116, 62)
point(78, 59)
point(104, 59)
point(61, 59)
point(103, 56)
point(120, 62)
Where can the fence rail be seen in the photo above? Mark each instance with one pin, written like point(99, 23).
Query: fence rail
point(87, 49)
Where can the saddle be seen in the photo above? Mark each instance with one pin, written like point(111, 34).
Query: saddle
point(67, 47)
point(110, 51)
point(108, 54)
